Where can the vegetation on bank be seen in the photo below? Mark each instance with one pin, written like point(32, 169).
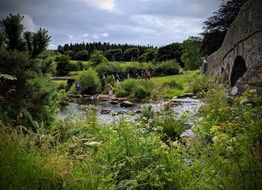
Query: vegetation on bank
point(144, 154)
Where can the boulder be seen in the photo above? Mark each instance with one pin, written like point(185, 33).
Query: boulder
point(187, 95)
point(114, 102)
point(234, 91)
point(126, 104)
point(105, 111)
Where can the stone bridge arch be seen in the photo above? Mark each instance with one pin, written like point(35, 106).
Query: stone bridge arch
point(238, 70)
point(238, 62)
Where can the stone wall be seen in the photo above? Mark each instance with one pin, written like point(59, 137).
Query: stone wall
point(244, 39)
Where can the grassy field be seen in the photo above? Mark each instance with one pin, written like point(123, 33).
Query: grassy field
point(174, 85)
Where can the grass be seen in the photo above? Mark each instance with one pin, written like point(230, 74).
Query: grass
point(142, 154)
point(183, 84)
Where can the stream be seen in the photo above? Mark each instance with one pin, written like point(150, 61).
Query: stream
point(108, 113)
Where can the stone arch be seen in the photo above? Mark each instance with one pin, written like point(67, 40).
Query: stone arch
point(238, 70)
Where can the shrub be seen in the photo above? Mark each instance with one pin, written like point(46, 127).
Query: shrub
point(97, 58)
point(63, 66)
point(89, 81)
point(120, 92)
point(167, 68)
point(135, 88)
point(173, 84)
point(82, 55)
point(140, 92)
point(201, 83)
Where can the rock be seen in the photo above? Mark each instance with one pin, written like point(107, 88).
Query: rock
point(234, 91)
point(187, 95)
point(75, 96)
point(138, 111)
point(126, 104)
point(86, 96)
point(114, 102)
point(105, 111)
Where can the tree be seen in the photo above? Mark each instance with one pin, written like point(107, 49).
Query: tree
point(170, 52)
point(32, 96)
point(216, 26)
point(114, 54)
point(131, 54)
point(190, 53)
point(150, 54)
point(12, 29)
point(63, 66)
point(81, 55)
point(97, 58)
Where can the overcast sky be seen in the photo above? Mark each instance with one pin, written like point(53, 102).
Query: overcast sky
point(144, 22)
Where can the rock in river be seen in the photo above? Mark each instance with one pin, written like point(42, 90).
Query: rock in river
point(126, 104)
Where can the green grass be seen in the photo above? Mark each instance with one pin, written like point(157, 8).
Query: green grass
point(182, 80)
point(86, 63)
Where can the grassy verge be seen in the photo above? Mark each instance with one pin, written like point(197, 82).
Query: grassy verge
point(174, 85)
point(145, 154)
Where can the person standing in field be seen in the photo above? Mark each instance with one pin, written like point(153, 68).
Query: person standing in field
point(78, 87)
point(110, 92)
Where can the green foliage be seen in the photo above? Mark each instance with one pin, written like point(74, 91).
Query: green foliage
point(32, 96)
point(12, 29)
point(190, 53)
point(149, 55)
point(37, 42)
point(135, 88)
point(97, 58)
point(201, 83)
point(89, 81)
point(173, 84)
point(114, 54)
point(145, 154)
point(82, 55)
point(170, 52)
point(167, 68)
point(131, 54)
point(63, 66)
point(140, 92)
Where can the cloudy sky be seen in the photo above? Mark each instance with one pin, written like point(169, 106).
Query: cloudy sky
point(144, 22)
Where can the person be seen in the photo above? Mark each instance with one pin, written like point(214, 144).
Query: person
point(78, 87)
point(117, 78)
point(148, 75)
point(110, 92)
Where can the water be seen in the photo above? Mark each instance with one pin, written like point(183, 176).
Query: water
point(180, 107)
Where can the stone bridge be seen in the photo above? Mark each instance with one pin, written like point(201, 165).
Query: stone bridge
point(239, 60)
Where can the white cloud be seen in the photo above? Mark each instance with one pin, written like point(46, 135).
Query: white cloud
point(70, 36)
point(29, 24)
point(85, 35)
point(98, 36)
point(104, 35)
point(102, 4)
point(52, 46)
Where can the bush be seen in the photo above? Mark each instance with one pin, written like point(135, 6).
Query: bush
point(167, 68)
point(201, 83)
point(135, 88)
point(140, 92)
point(120, 92)
point(82, 55)
point(89, 81)
point(97, 58)
point(63, 66)
point(173, 84)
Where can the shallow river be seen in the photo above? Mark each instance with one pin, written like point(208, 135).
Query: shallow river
point(180, 106)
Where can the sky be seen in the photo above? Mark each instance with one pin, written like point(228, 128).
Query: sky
point(143, 22)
